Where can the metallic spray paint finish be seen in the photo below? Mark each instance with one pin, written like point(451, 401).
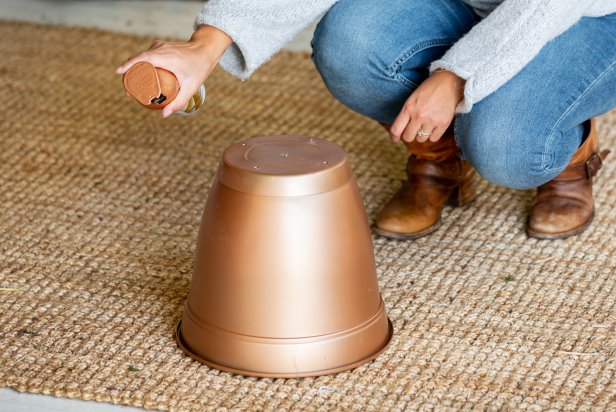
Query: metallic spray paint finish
point(284, 283)
point(154, 88)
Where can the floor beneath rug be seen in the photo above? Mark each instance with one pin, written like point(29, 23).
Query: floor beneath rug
point(142, 17)
point(13, 401)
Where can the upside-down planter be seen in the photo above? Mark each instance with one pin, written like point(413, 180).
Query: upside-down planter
point(284, 283)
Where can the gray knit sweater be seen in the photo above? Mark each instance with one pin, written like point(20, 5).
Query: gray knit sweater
point(510, 35)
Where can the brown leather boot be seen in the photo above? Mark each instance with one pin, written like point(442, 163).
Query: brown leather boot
point(436, 176)
point(564, 206)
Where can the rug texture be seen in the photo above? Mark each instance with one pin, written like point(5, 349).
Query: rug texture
point(100, 203)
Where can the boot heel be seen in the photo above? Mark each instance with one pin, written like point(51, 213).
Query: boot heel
point(463, 194)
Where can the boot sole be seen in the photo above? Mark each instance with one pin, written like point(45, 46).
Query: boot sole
point(563, 235)
point(406, 236)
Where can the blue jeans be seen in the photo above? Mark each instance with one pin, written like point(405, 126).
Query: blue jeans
point(372, 54)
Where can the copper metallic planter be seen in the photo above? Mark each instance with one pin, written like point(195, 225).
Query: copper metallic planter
point(284, 283)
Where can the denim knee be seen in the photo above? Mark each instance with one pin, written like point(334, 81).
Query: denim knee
point(343, 59)
point(506, 152)
point(373, 55)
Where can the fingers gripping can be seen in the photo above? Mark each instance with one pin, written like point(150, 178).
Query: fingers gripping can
point(154, 88)
point(194, 104)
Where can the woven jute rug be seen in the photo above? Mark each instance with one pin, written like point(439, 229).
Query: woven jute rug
point(100, 203)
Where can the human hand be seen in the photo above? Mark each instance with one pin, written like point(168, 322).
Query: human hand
point(431, 108)
point(191, 62)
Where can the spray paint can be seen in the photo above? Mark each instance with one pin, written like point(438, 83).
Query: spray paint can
point(154, 88)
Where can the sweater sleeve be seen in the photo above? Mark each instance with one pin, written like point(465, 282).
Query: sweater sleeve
point(259, 28)
point(499, 46)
